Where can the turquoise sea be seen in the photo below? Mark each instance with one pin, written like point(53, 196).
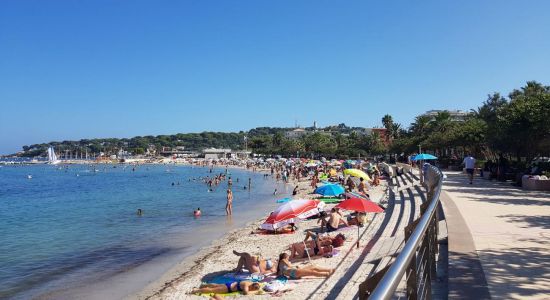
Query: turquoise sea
point(73, 232)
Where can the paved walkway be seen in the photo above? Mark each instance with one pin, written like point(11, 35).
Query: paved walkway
point(499, 240)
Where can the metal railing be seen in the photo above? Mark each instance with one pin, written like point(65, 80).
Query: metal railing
point(418, 258)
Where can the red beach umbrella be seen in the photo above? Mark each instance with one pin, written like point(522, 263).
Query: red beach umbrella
point(359, 205)
point(291, 212)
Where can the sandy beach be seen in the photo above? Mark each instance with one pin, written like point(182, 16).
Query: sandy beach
point(218, 258)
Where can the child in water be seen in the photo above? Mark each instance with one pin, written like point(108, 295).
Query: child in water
point(197, 213)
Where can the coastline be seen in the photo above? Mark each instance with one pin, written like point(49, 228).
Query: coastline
point(120, 283)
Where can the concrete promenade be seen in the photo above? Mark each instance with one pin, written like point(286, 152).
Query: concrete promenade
point(499, 240)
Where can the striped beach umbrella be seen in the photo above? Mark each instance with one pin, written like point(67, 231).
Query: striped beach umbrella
point(292, 212)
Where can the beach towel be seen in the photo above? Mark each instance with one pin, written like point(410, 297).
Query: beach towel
point(232, 277)
point(347, 228)
point(264, 231)
point(278, 285)
point(210, 295)
point(284, 200)
point(330, 200)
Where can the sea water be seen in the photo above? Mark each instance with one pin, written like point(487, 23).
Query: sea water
point(73, 231)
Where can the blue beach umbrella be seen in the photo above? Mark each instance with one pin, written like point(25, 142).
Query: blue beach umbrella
point(423, 156)
point(330, 190)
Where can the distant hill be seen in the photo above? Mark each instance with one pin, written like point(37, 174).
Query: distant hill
point(191, 141)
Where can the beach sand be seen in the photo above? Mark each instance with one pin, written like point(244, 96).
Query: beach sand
point(219, 257)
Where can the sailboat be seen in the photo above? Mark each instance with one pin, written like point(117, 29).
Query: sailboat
point(52, 157)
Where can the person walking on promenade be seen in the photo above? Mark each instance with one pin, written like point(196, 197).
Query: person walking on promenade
point(229, 205)
point(469, 163)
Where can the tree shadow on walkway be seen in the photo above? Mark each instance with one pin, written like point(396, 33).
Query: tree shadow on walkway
point(529, 221)
point(497, 193)
point(512, 273)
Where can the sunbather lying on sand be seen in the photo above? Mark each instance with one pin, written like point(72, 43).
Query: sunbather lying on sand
point(254, 264)
point(325, 240)
point(286, 268)
point(245, 287)
point(319, 245)
point(314, 248)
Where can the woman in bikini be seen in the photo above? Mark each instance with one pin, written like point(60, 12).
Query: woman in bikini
point(245, 287)
point(286, 268)
point(314, 248)
point(254, 264)
point(229, 205)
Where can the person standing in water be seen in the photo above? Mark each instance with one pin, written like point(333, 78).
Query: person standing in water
point(229, 205)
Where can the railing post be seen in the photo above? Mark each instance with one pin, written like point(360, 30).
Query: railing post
point(412, 279)
point(435, 232)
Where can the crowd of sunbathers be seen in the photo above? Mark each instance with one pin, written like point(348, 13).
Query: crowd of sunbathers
point(313, 245)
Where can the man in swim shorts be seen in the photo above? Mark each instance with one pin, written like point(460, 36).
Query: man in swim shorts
point(334, 221)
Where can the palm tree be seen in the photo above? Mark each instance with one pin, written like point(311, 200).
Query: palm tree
point(420, 124)
point(441, 122)
point(387, 120)
point(395, 130)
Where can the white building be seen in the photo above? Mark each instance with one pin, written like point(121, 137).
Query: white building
point(213, 153)
point(242, 154)
point(295, 133)
point(456, 115)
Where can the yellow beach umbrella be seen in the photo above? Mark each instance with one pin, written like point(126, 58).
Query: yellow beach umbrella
point(357, 173)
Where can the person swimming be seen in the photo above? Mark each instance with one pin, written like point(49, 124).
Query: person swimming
point(197, 213)
point(139, 212)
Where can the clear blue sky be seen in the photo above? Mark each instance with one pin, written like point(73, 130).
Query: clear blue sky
point(85, 69)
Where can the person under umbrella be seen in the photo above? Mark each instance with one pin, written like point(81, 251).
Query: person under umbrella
point(359, 205)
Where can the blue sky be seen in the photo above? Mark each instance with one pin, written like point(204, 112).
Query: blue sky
point(85, 69)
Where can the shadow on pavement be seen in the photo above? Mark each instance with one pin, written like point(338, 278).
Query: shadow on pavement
point(529, 221)
point(518, 276)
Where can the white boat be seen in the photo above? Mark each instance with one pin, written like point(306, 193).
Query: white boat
point(52, 157)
